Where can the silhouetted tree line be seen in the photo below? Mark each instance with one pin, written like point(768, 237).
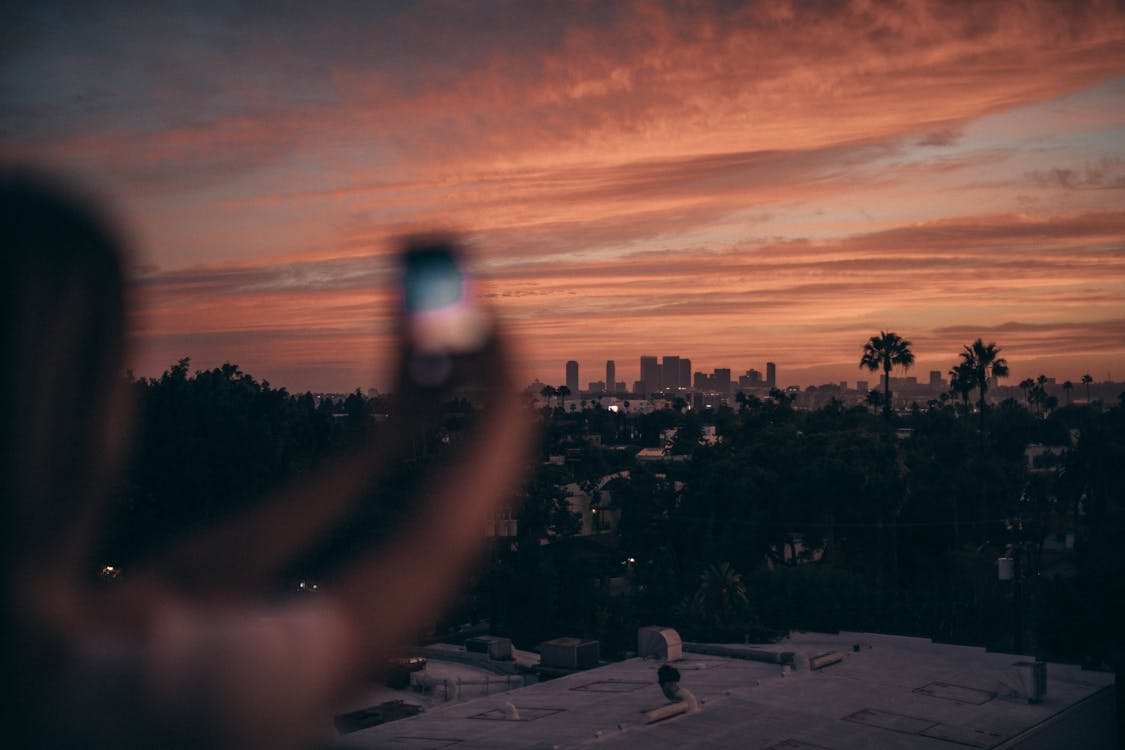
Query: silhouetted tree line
point(839, 519)
point(829, 519)
point(215, 441)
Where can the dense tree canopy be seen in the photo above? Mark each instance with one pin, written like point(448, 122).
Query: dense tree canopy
point(829, 518)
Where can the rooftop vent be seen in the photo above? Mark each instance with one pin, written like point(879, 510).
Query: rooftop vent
point(1031, 677)
point(495, 646)
point(655, 642)
point(820, 661)
point(569, 653)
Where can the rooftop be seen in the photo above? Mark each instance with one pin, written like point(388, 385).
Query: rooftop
point(843, 691)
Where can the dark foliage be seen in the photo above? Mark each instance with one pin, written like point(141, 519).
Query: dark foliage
point(827, 519)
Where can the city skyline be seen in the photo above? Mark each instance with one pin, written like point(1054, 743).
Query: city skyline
point(653, 376)
point(768, 376)
point(771, 180)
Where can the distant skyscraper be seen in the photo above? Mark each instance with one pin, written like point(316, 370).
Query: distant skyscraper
point(861, 386)
point(670, 373)
point(572, 376)
point(683, 379)
point(610, 374)
point(720, 380)
point(650, 375)
point(771, 375)
point(752, 379)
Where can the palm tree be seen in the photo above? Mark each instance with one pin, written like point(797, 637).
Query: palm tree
point(1086, 380)
point(961, 382)
point(1041, 396)
point(875, 398)
point(548, 392)
point(985, 363)
point(1026, 385)
point(1067, 385)
point(721, 595)
point(885, 351)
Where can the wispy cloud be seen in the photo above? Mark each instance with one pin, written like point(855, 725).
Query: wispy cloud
point(809, 301)
point(1106, 173)
point(740, 180)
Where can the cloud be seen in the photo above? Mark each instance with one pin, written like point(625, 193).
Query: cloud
point(1115, 328)
point(944, 137)
point(762, 178)
point(1032, 340)
point(421, 86)
point(335, 275)
point(1107, 173)
point(805, 301)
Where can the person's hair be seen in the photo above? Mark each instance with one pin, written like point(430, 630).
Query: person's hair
point(62, 336)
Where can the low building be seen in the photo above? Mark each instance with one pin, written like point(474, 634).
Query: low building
point(1042, 458)
point(596, 509)
point(811, 691)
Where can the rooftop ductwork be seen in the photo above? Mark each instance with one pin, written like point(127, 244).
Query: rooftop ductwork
point(655, 642)
point(569, 653)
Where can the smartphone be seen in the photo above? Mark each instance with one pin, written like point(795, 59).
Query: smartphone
point(442, 316)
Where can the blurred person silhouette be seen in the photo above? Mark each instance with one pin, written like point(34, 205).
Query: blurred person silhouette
point(189, 652)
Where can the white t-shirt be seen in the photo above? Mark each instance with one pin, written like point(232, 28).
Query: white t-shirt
point(261, 676)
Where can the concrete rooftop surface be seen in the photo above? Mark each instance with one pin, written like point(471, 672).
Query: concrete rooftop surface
point(843, 691)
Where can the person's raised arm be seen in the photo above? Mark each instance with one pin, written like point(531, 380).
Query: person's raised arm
point(405, 583)
point(246, 553)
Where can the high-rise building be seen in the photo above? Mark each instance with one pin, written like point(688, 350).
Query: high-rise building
point(935, 378)
point(610, 374)
point(771, 375)
point(683, 378)
point(720, 380)
point(670, 373)
point(650, 376)
point(717, 382)
point(751, 380)
point(861, 386)
point(572, 377)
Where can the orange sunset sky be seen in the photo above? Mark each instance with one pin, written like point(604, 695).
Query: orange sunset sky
point(730, 182)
